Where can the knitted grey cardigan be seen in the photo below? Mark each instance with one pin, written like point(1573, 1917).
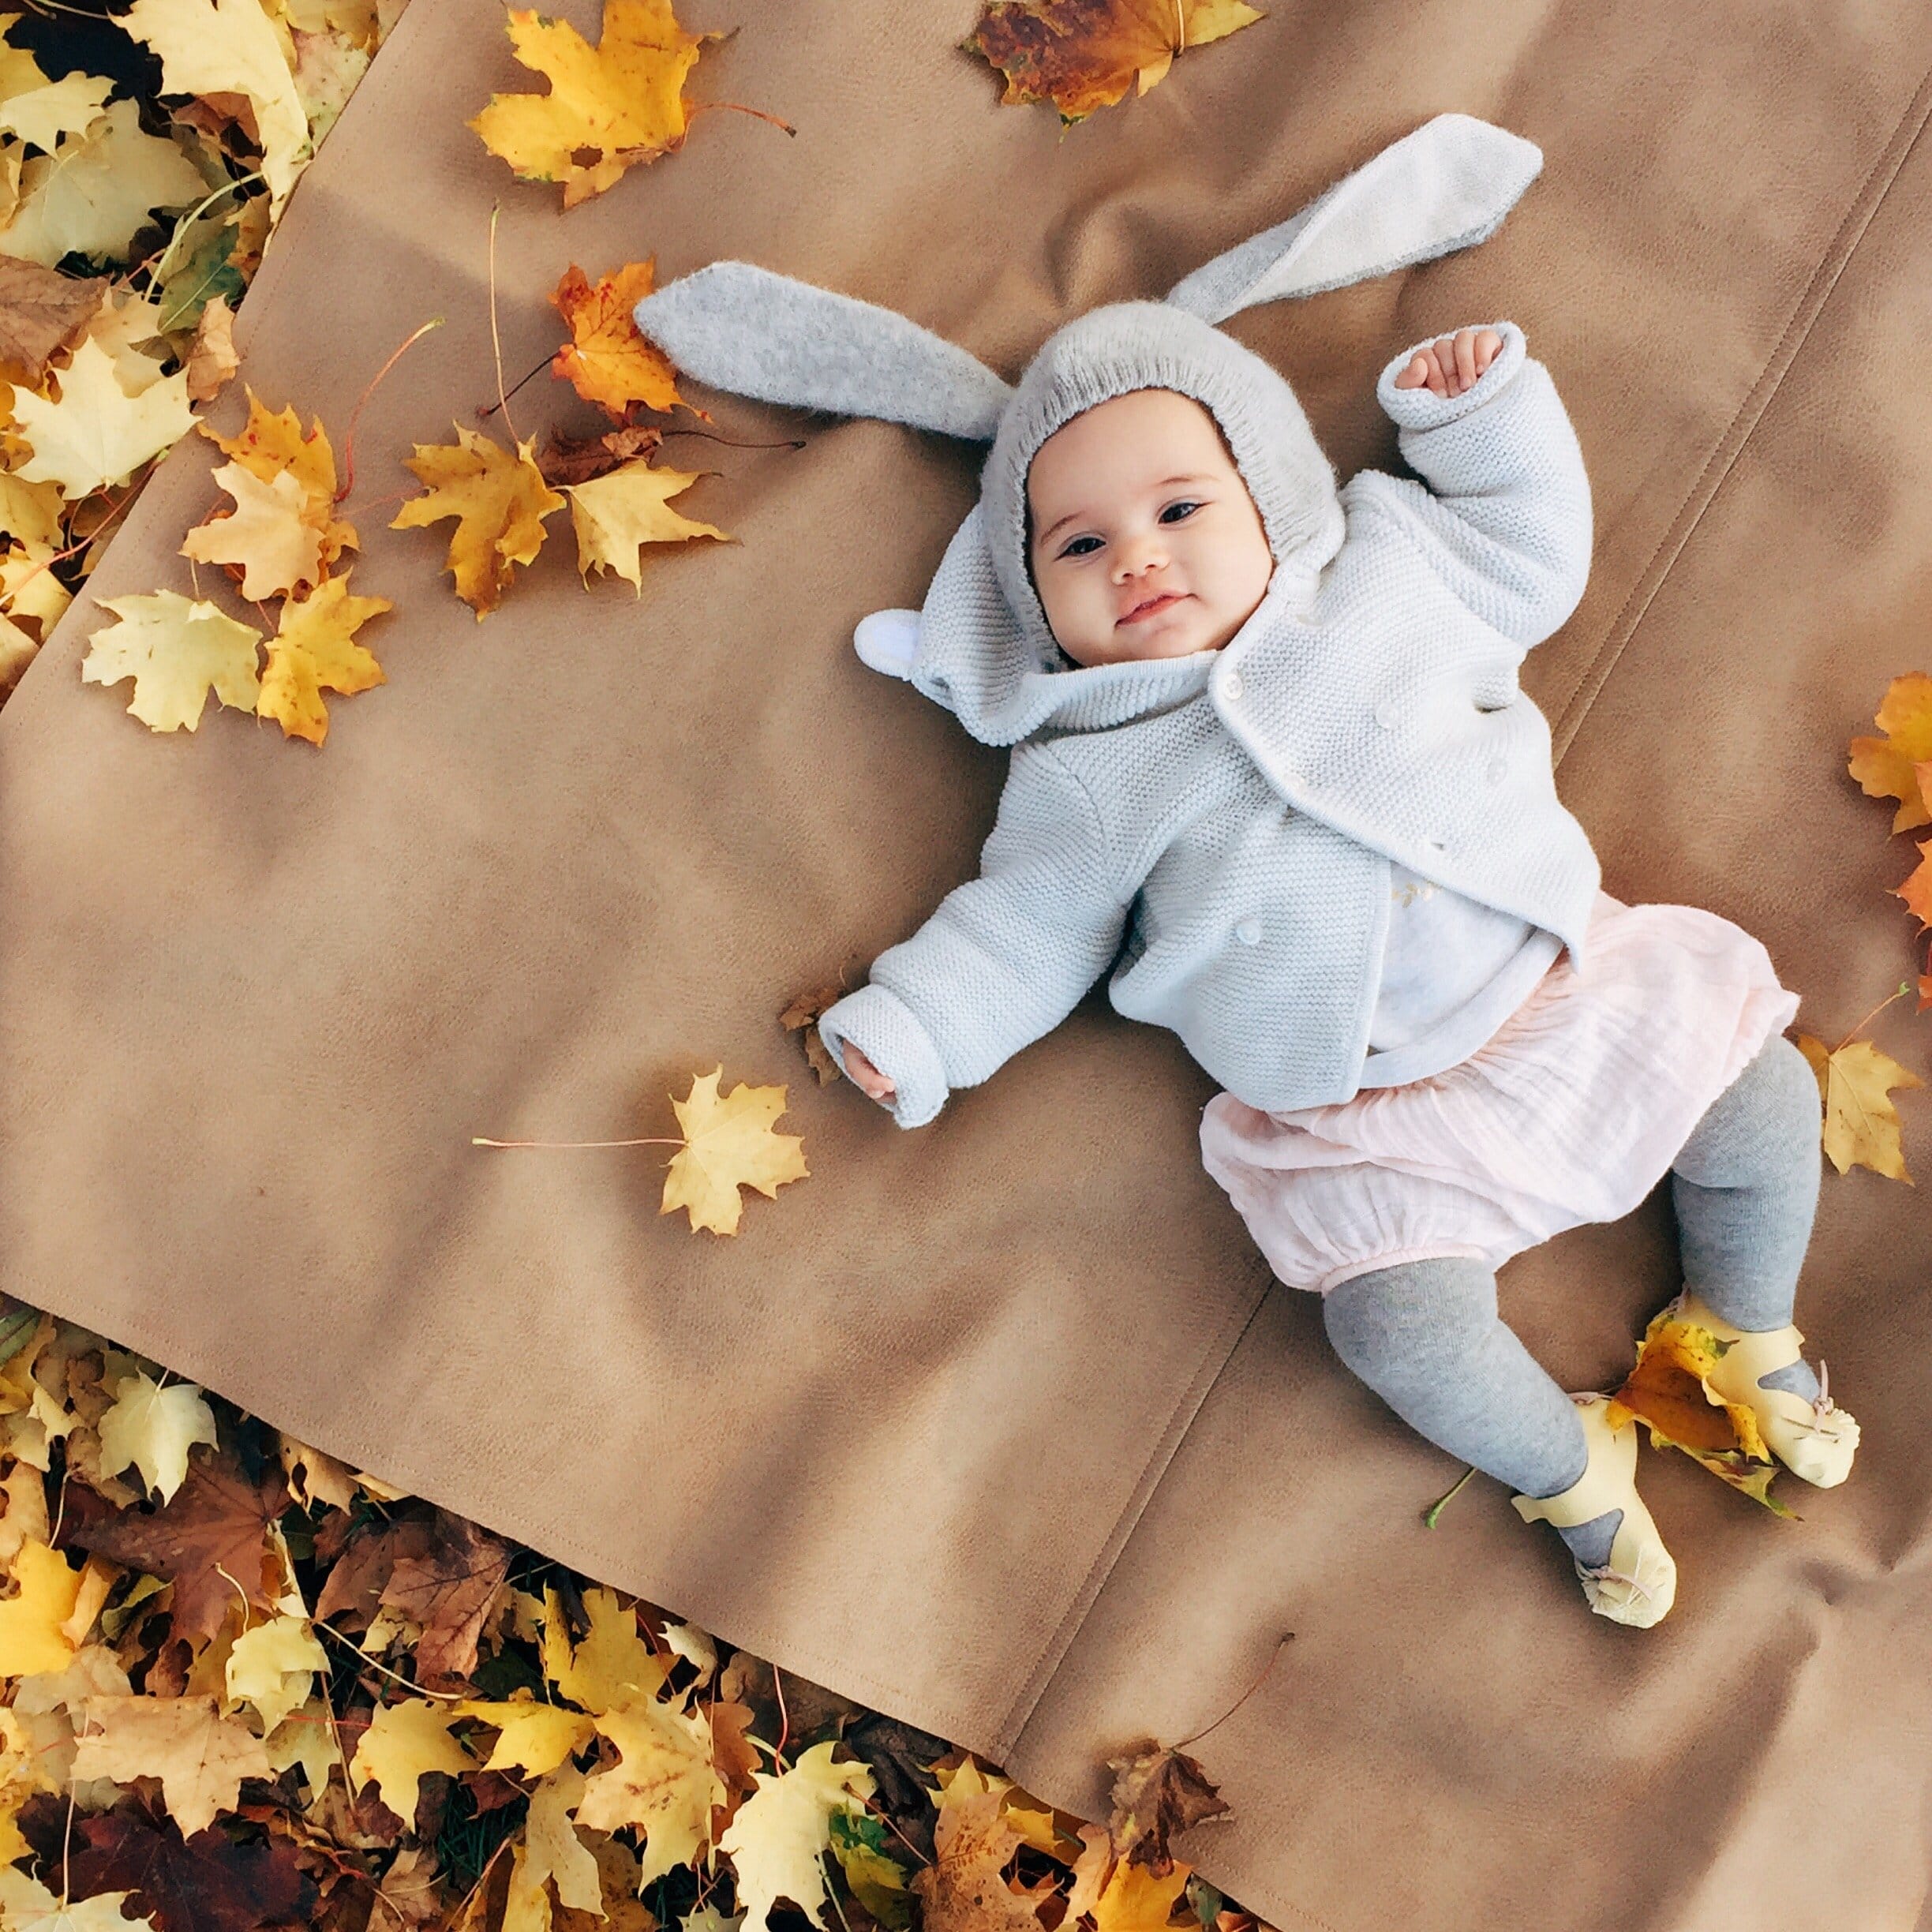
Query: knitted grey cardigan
point(1219, 828)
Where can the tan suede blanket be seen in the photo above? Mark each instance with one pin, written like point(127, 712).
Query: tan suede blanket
point(999, 1426)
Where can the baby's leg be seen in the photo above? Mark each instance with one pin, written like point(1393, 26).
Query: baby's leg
point(1426, 1337)
point(1746, 1185)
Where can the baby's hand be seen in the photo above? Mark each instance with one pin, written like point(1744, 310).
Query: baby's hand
point(868, 1077)
point(1451, 363)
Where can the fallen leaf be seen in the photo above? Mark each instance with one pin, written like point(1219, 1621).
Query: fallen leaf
point(552, 1850)
point(200, 1756)
point(776, 1836)
point(1887, 767)
point(32, 1640)
point(97, 189)
point(177, 650)
point(313, 650)
point(728, 1144)
point(964, 1889)
point(268, 444)
point(802, 1016)
point(29, 1906)
point(154, 1428)
point(612, 1666)
point(499, 501)
point(42, 115)
point(622, 100)
point(264, 538)
point(616, 514)
point(1916, 891)
point(1861, 1123)
point(576, 460)
point(403, 1741)
point(532, 1737)
point(606, 360)
point(41, 311)
point(211, 47)
point(210, 1540)
point(1157, 1791)
point(212, 359)
point(1082, 54)
point(96, 432)
point(273, 1666)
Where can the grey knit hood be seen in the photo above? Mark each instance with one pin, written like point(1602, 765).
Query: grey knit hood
point(981, 645)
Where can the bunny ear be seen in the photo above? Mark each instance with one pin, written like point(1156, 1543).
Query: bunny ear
point(746, 330)
point(1445, 187)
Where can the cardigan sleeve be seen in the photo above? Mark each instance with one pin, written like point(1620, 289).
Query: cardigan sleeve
point(1004, 958)
point(1507, 507)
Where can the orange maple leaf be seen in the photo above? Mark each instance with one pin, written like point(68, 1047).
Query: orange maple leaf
point(606, 360)
point(1917, 889)
point(1900, 764)
point(1082, 54)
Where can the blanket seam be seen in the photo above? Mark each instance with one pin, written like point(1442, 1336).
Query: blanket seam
point(1811, 303)
point(1180, 1419)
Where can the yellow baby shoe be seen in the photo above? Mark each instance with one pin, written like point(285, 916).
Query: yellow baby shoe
point(1639, 1583)
point(1815, 1440)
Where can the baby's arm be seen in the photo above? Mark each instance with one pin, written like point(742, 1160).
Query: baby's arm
point(1508, 503)
point(1003, 959)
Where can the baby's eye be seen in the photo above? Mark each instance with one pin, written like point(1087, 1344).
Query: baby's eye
point(1185, 508)
point(1073, 550)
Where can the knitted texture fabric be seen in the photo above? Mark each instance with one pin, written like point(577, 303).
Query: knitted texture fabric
point(1224, 822)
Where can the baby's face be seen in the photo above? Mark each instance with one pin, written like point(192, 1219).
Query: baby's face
point(1143, 538)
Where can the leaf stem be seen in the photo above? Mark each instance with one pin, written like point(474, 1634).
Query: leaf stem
point(1435, 1508)
point(484, 415)
point(1903, 988)
point(1286, 1637)
point(693, 109)
point(478, 1140)
point(496, 344)
point(348, 481)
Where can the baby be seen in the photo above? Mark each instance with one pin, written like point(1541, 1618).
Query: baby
point(1504, 1092)
point(1272, 773)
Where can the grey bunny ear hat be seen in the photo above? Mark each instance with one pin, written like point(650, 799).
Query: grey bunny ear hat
point(982, 644)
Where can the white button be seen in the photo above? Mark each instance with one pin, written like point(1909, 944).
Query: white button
point(1386, 714)
point(1231, 687)
point(1495, 771)
point(1248, 932)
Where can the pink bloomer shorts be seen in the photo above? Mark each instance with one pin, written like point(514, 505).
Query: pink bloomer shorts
point(1572, 1112)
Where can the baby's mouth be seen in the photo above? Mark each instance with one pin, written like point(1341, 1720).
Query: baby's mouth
point(1149, 608)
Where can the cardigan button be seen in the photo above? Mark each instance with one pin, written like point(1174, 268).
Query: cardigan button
point(1231, 687)
point(1495, 771)
point(1386, 714)
point(1248, 932)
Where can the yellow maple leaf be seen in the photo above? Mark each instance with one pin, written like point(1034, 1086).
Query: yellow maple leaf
point(621, 99)
point(31, 1637)
point(29, 1906)
point(95, 433)
point(403, 1741)
point(1861, 1124)
point(96, 190)
point(1887, 767)
point(550, 1848)
point(1082, 54)
point(42, 115)
point(664, 1783)
point(154, 1428)
point(728, 1144)
point(532, 1737)
point(614, 513)
point(177, 650)
point(606, 360)
point(313, 650)
point(223, 47)
point(613, 1666)
point(776, 1836)
point(200, 1756)
point(974, 1840)
point(273, 1666)
point(269, 443)
point(266, 534)
point(499, 501)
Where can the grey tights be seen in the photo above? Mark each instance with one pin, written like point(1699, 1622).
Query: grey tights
point(1426, 1336)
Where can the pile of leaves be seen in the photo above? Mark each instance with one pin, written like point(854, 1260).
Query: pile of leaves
point(248, 1687)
